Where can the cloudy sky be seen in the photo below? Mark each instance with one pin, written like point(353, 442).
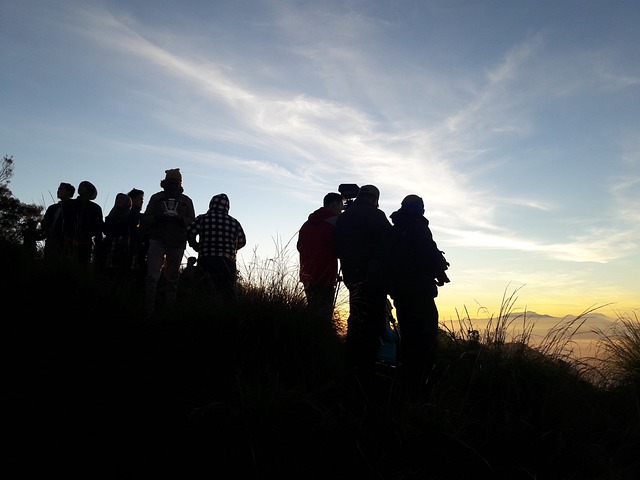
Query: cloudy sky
point(518, 122)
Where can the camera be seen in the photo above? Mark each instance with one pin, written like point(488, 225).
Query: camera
point(349, 191)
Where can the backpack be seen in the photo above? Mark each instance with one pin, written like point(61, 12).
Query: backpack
point(395, 263)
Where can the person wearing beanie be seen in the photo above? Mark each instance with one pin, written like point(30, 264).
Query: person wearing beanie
point(358, 232)
point(419, 268)
point(168, 214)
point(172, 175)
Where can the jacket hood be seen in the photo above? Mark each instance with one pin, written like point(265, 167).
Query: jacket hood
point(219, 203)
point(402, 217)
point(320, 215)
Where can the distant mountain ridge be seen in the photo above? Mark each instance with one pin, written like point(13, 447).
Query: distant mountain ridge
point(590, 317)
point(582, 329)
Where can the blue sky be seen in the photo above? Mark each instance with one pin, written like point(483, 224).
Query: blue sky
point(518, 122)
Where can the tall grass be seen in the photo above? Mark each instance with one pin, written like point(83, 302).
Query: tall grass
point(499, 329)
point(619, 353)
point(272, 279)
point(254, 386)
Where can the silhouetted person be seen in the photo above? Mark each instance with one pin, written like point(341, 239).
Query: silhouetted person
point(388, 349)
point(30, 237)
point(52, 225)
point(165, 220)
point(192, 283)
point(422, 269)
point(117, 237)
point(83, 225)
point(358, 232)
point(217, 237)
point(139, 237)
point(318, 257)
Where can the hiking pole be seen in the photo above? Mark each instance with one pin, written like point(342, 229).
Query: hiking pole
point(339, 279)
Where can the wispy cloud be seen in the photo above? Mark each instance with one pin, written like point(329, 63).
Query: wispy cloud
point(286, 134)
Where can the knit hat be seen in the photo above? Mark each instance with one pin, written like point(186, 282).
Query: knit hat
point(371, 190)
point(173, 174)
point(412, 203)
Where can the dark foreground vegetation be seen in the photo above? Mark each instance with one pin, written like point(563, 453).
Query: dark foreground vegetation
point(255, 390)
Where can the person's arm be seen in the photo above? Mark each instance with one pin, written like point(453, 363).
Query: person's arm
point(242, 239)
point(152, 214)
point(436, 263)
point(190, 213)
point(193, 230)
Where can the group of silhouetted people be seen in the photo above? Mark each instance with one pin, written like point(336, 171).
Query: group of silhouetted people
point(347, 239)
point(145, 246)
point(358, 235)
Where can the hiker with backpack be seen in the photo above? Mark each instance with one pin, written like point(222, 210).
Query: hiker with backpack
point(416, 270)
point(165, 221)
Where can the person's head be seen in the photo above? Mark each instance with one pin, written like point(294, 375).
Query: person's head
point(172, 182)
point(220, 203)
point(122, 201)
point(369, 194)
point(137, 198)
point(87, 191)
point(66, 191)
point(333, 201)
point(412, 204)
point(191, 261)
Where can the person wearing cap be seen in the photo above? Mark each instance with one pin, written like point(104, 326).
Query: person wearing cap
point(358, 231)
point(165, 222)
point(318, 258)
point(83, 226)
point(420, 267)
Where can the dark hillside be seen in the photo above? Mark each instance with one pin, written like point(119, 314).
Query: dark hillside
point(255, 390)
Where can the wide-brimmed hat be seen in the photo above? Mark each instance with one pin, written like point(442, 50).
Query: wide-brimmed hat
point(89, 189)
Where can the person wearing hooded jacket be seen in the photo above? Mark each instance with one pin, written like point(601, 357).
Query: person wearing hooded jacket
point(318, 257)
point(420, 267)
point(217, 237)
